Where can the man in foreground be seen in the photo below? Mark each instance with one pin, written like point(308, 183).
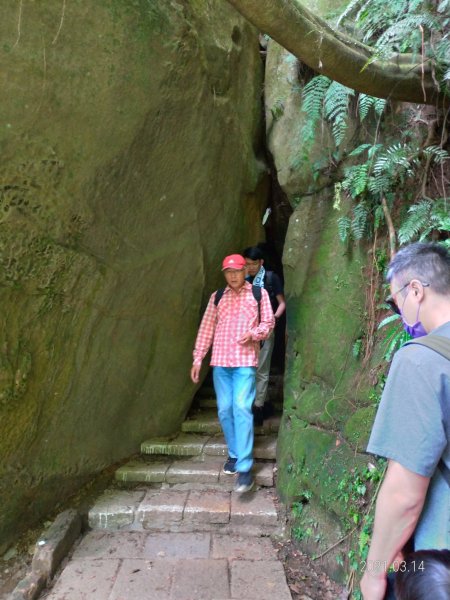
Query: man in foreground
point(412, 425)
point(234, 325)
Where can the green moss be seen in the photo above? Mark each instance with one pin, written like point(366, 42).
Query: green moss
point(358, 427)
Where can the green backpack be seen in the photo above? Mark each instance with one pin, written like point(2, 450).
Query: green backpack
point(441, 345)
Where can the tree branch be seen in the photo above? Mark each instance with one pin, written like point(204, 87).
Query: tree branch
point(391, 228)
point(338, 56)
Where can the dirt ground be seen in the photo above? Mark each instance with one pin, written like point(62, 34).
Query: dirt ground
point(15, 563)
point(305, 581)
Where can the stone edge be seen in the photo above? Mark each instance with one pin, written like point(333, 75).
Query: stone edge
point(51, 548)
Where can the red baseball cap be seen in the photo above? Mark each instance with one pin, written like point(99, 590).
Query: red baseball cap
point(234, 261)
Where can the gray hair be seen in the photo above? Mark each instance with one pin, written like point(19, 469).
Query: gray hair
point(427, 262)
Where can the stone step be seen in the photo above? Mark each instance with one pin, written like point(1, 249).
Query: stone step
point(208, 399)
point(178, 511)
point(207, 422)
point(207, 472)
point(193, 444)
point(206, 402)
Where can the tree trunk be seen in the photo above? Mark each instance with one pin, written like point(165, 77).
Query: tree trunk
point(338, 56)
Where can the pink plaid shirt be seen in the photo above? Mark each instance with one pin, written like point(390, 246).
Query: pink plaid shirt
point(223, 325)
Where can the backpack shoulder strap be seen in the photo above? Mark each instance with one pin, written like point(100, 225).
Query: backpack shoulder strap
point(257, 296)
point(438, 343)
point(256, 293)
point(441, 345)
point(445, 471)
point(218, 296)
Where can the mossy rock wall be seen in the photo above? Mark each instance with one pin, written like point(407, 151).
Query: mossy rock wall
point(327, 410)
point(129, 135)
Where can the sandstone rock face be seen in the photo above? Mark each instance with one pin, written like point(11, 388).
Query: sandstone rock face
point(129, 134)
point(320, 438)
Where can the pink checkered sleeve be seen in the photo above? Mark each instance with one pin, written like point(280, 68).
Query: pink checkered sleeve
point(267, 322)
point(205, 333)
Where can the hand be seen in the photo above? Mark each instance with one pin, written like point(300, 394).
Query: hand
point(195, 373)
point(246, 338)
point(373, 587)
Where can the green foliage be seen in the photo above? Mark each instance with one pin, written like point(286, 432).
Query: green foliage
point(381, 174)
point(423, 219)
point(336, 105)
point(365, 103)
point(394, 335)
point(313, 101)
point(328, 100)
point(404, 26)
point(357, 488)
point(379, 171)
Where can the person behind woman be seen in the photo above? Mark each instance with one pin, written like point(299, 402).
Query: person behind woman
point(424, 575)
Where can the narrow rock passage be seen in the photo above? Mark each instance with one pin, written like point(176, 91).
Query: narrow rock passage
point(181, 533)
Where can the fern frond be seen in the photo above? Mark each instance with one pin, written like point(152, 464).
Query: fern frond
point(379, 184)
point(437, 154)
point(313, 98)
point(359, 221)
point(360, 149)
point(336, 109)
point(314, 94)
point(444, 7)
point(348, 11)
point(380, 105)
point(388, 319)
point(418, 218)
point(356, 179)
point(378, 217)
point(365, 103)
point(343, 225)
point(399, 35)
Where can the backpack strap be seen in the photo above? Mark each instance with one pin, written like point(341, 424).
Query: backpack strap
point(218, 296)
point(256, 290)
point(268, 283)
point(438, 343)
point(441, 345)
point(445, 471)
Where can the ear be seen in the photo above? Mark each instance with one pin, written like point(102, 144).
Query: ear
point(262, 262)
point(417, 289)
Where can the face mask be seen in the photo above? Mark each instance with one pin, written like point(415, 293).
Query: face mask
point(417, 330)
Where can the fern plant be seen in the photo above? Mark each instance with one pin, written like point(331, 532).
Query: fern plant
point(413, 26)
point(425, 218)
point(394, 336)
point(385, 170)
point(324, 99)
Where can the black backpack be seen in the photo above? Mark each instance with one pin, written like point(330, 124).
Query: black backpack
point(256, 290)
point(441, 345)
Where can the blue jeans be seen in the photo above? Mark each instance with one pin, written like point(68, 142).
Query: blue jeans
point(235, 390)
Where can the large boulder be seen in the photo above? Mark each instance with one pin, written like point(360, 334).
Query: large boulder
point(129, 134)
point(327, 409)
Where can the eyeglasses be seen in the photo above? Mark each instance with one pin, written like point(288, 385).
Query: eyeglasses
point(390, 299)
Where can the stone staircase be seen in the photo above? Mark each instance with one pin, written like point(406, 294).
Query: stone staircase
point(173, 529)
point(177, 484)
